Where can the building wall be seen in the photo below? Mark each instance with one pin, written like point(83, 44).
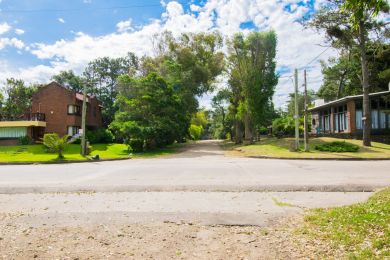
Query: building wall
point(53, 101)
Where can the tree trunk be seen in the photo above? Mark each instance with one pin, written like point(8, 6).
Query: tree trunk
point(366, 86)
point(248, 129)
point(238, 132)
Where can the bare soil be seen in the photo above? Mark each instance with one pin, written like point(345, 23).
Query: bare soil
point(149, 241)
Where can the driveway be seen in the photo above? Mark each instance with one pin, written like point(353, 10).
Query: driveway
point(201, 167)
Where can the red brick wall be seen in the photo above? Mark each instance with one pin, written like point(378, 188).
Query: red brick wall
point(9, 141)
point(53, 101)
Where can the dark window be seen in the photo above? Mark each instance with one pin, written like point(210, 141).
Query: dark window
point(73, 110)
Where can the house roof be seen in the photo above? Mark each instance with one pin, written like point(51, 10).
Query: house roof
point(345, 99)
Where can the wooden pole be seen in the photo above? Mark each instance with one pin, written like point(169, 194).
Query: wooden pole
point(306, 128)
point(296, 116)
point(83, 122)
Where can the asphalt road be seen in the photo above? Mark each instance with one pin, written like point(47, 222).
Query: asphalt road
point(202, 167)
point(198, 185)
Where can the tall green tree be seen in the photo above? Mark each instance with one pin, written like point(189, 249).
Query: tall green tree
point(252, 74)
point(190, 63)
point(70, 80)
point(149, 111)
point(17, 99)
point(221, 124)
point(354, 24)
point(362, 12)
point(101, 78)
point(301, 102)
point(342, 74)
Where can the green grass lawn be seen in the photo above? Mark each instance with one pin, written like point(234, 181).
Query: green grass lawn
point(274, 147)
point(37, 153)
point(362, 230)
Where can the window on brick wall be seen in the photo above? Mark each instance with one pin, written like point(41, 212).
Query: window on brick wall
point(73, 110)
point(73, 130)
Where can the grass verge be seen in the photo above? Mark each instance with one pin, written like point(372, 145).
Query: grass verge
point(37, 153)
point(279, 148)
point(361, 230)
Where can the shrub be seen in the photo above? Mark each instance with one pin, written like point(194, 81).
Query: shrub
point(25, 140)
point(337, 147)
point(100, 135)
point(136, 145)
point(285, 126)
point(263, 130)
point(55, 144)
point(195, 132)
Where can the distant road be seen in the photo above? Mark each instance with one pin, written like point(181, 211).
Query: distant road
point(201, 167)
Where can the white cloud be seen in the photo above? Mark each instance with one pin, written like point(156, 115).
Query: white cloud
point(61, 20)
point(296, 46)
point(124, 26)
point(87, 1)
point(4, 42)
point(4, 27)
point(19, 31)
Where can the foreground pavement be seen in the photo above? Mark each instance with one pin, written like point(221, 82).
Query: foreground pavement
point(202, 167)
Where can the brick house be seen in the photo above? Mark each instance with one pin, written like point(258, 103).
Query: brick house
point(54, 109)
point(344, 117)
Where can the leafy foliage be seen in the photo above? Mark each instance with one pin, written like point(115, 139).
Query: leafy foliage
point(301, 102)
point(101, 76)
point(284, 126)
point(55, 144)
point(100, 135)
point(252, 79)
point(195, 131)
point(342, 74)
point(337, 147)
point(70, 80)
point(150, 111)
point(25, 140)
point(17, 99)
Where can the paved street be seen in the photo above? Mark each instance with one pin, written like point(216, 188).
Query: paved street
point(202, 167)
point(198, 203)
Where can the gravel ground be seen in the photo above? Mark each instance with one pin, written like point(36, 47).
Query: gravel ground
point(145, 241)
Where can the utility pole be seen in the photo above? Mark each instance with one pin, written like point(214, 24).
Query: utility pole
point(83, 121)
point(296, 116)
point(306, 128)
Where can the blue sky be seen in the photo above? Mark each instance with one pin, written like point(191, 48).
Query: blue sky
point(40, 38)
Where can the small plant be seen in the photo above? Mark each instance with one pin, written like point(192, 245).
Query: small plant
point(337, 147)
point(25, 140)
point(136, 145)
point(55, 144)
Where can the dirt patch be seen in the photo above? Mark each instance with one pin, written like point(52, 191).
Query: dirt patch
point(148, 241)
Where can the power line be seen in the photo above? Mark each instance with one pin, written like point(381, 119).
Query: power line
point(75, 9)
point(317, 56)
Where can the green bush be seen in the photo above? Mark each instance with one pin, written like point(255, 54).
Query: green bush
point(55, 144)
point(100, 135)
point(195, 132)
point(25, 140)
point(263, 130)
point(136, 145)
point(285, 126)
point(337, 147)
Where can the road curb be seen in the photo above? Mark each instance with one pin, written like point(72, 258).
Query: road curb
point(318, 159)
point(190, 188)
point(64, 162)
